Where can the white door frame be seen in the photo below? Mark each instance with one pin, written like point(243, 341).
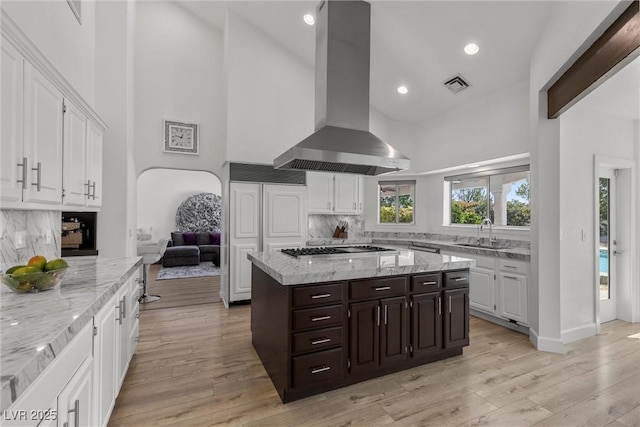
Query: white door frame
point(631, 286)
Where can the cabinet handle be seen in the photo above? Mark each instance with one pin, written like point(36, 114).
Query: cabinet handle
point(38, 182)
point(75, 411)
point(88, 184)
point(93, 191)
point(318, 319)
point(510, 277)
point(439, 306)
point(24, 173)
point(124, 308)
point(382, 288)
point(320, 369)
point(510, 266)
point(459, 279)
point(378, 314)
point(321, 341)
point(449, 303)
point(429, 283)
point(385, 313)
point(320, 296)
point(360, 205)
point(119, 318)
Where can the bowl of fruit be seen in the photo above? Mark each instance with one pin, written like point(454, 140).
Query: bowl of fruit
point(35, 276)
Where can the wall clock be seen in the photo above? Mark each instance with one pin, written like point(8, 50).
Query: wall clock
point(181, 137)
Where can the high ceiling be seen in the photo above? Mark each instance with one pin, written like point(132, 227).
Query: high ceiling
point(418, 44)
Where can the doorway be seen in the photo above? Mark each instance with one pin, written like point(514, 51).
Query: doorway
point(614, 213)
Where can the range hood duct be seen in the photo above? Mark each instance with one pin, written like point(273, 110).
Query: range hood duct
point(342, 141)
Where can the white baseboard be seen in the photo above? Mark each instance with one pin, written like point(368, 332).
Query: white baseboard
point(578, 333)
point(550, 345)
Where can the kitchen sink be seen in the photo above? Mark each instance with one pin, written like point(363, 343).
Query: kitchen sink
point(480, 245)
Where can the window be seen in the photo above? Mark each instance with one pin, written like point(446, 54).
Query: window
point(501, 195)
point(396, 200)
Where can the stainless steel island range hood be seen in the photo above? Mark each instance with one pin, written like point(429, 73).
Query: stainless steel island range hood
point(342, 141)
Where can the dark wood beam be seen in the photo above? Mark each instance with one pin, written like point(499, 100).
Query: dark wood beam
point(617, 46)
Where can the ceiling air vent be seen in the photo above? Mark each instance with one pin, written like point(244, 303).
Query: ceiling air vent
point(456, 84)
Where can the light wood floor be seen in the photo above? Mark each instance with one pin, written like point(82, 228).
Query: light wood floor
point(195, 366)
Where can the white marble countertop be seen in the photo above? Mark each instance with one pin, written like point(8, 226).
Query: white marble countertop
point(293, 271)
point(34, 328)
point(515, 253)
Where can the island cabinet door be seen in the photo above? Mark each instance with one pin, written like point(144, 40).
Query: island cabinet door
point(393, 330)
point(364, 325)
point(426, 324)
point(456, 318)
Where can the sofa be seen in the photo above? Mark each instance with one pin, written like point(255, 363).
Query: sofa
point(192, 248)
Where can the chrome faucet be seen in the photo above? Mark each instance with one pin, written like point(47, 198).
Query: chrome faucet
point(487, 221)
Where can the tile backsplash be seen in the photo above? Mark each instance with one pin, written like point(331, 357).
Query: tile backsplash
point(323, 226)
point(35, 224)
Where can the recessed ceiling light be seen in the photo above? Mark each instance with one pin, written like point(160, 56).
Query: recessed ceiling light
point(403, 90)
point(309, 19)
point(471, 49)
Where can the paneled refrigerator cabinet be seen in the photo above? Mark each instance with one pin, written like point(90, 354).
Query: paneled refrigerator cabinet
point(262, 217)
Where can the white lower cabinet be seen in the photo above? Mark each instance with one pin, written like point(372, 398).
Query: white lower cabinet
point(498, 287)
point(75, 401)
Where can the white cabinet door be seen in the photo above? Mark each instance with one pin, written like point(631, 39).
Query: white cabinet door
point(482, 289)
point(320, 192)
point(43, 139)
point(74, 168)
point(122, 333)
point(94, 165)
point(285, 217)
point(105, 353)
point(245, 218)
point(346, 194)
point(513, 296)
point(75, 401)
point(11, 118)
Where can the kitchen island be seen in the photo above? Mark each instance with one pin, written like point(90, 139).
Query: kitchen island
point(82, 333)
point(324, 322)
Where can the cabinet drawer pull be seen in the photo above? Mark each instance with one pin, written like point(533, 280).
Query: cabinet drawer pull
point(321, 341)
point(382, 288)
point(459, 279)
point(429, 283)
point(320, 369)
point(439, 306)
point(38, 182)
point(510, 266)
point(320, 296)
point(449, 303)
point(510, 277)
point(24, 173)
point(318, 319)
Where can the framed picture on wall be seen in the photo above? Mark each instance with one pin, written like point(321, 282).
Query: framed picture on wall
point(181, 137)
point(75, 6)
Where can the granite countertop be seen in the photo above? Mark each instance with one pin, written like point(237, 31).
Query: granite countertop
point(514, 253)
point(293, 271)
point(34, 328)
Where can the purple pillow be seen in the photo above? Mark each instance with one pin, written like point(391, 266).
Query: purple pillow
point(189, 238)
point(215, 238)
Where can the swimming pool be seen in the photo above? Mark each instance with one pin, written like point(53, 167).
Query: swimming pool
point(604, 261)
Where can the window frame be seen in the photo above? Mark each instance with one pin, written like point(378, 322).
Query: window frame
point(397, 184)
point(484, 174)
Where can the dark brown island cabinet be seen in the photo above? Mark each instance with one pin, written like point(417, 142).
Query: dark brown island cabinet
point(316, 337)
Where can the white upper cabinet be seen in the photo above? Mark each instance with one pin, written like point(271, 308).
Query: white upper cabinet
point(47, 152)
point(42, 139)
point(330, 193)
point(11, 90)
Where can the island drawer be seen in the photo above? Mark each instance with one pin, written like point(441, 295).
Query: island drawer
point(318, 317)
point(378, 288)
point(317, 367)
point(425, 282)
point(456, 279)
point(318, 294)
point(317, 340)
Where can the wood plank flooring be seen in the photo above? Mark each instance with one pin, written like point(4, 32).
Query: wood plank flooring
point(195, 366)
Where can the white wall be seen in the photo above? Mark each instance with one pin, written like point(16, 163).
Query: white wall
point(160, 193)
point(270, 95)
point(178, 76)
point(562, 40)
point(583, 134)
point(70, 47)
point(492, 127)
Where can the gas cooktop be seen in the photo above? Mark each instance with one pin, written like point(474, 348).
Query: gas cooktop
point(333, 250)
